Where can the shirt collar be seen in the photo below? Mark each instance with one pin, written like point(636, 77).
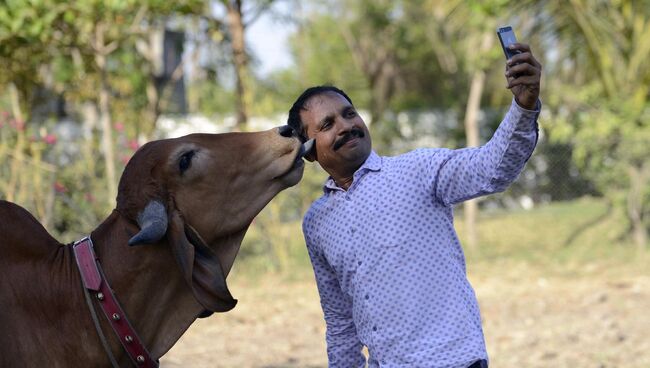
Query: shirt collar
point(372, 163)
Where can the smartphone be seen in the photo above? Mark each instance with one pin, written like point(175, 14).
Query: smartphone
point(507, 38)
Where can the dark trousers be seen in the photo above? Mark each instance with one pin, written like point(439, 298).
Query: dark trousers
point(479, 364)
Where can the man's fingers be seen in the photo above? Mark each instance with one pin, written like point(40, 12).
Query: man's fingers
point(522, 47)
point(528, 80)
point(521, 69)
point(525, 55)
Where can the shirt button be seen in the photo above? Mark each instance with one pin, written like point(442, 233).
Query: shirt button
point(374, 328)
point(368, 297)
point(353, 230)
point(359, 263)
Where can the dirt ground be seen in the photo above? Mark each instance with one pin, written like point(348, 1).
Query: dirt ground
point(595, 318)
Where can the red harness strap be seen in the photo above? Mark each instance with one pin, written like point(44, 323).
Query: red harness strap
point(94, 280)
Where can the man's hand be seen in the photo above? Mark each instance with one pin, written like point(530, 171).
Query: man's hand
point(523, 73)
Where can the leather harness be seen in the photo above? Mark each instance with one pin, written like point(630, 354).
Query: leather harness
point(94, 281)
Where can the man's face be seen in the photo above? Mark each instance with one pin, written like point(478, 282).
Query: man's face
point(342, 139)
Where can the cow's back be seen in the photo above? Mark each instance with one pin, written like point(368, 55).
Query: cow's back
point(35, 274)
point(21, 235)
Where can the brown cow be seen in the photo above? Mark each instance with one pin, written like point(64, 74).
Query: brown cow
point(201, 192)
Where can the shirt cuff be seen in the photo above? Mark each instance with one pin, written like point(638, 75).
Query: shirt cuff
point(526, 119)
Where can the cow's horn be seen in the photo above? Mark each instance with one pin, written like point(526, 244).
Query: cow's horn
point(153, 224)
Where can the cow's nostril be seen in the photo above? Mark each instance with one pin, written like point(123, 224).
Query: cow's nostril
point(286, 131)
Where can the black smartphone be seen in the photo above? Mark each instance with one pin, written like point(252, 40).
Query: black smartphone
point(507, 38)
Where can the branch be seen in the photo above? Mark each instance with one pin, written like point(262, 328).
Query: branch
point(139, 16)
point(177, 74)
point(28, 160)
point(258, 12)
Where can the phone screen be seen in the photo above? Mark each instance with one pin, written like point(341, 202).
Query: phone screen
point(507, 37)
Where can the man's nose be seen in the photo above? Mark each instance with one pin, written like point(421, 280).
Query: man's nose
point(344, 125)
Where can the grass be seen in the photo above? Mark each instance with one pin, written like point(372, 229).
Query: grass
point(534, 239)
point(540, 238)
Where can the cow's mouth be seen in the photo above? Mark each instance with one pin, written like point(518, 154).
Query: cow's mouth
point(298, 163)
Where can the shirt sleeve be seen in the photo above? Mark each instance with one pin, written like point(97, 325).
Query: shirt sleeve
point(458, 175)
point(343, 345)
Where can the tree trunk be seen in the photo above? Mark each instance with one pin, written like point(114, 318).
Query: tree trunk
point(240, 60)
point(101, 51)
point(17, 156)
point(107, 139)
point(639, 177)
point(472, 135)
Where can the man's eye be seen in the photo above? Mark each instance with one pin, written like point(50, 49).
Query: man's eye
point(351, 114)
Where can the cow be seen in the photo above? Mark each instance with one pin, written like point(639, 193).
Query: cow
point(183, 207)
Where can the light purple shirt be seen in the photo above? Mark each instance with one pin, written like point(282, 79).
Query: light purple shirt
point(388, 264)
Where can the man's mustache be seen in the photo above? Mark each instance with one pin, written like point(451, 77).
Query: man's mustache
point(353, 133)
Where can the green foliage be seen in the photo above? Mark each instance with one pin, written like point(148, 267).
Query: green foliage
point(537, 237)
point(324, 58)
point(55, 47)
point(55, 176)
point(390, 56)
point(602, 100)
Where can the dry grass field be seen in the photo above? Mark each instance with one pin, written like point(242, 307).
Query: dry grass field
point(596, 319)
point(544, 302)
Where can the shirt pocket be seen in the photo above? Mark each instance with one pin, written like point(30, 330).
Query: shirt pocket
point(384, 230)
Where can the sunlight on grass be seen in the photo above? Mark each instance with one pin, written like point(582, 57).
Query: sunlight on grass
point(540, 237)
point(536, 238)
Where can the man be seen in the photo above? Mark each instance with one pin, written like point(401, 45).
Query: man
point(388, 264)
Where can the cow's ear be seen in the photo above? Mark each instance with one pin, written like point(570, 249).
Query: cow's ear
point(310, 147)
point(199, 265)
point(311, 156)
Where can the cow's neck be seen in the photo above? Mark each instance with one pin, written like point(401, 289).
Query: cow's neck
point(147, 283)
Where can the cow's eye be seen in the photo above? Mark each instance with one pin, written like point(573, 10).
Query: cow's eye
point(186, 161)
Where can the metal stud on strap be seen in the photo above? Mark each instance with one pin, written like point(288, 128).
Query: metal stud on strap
point(93, 279)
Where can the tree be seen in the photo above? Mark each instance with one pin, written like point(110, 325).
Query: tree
point(462, 37)
point(602, 99)
point(26, 31)
point(240, 15)
point(84, 49)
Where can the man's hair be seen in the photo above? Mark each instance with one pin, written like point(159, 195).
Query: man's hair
point(294, 120)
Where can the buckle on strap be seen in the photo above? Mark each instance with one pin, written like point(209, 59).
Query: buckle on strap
point(87, 263)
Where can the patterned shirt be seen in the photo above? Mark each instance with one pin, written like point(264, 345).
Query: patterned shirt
point(388, 264)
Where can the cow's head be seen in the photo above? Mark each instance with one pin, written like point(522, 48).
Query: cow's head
point(199, 194)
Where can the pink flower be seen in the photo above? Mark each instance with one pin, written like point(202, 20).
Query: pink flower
point(18, 124)
point(50, 139)
point(119, 126)
point(60, 188)
point(133, 144)
point(125, 159)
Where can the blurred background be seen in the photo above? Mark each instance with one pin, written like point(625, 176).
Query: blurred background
point(559, 261)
